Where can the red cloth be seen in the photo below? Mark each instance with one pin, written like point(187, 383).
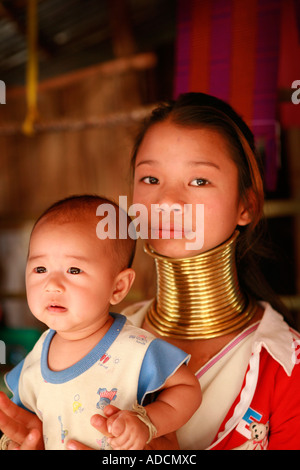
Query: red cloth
point(276, 404)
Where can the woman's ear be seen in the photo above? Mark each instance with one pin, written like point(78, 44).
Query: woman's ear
point(245, 217)
point(247, 205)
point(123, 283)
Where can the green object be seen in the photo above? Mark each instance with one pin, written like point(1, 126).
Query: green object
point(3, 387)
point(18, 343)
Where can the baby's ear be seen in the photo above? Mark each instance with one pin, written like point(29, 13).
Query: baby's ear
point(123, 283)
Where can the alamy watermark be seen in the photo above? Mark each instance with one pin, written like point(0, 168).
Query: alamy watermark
point(2, 352)
point(2, 92)
point(296, 94)
point(163, 222)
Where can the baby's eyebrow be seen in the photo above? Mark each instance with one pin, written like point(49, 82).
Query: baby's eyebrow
point(73, 257)
point(35, 257)
point(78, 258)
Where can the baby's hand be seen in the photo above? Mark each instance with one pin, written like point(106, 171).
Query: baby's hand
point(128, 431)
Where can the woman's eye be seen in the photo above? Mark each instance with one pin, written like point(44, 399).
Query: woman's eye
point(150, 180)
point(40, 270)
point(199, 182)
point(74, 270)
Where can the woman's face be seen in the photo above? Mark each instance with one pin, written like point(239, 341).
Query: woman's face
point(182, 170)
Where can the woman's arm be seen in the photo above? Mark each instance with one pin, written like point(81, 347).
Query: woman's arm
point(23, 428)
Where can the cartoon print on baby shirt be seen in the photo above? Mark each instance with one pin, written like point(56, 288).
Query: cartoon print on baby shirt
point(63, 432)
point(106, 397)
point(259, 437)
point(103, 444)
point(141, 339)
point(77, 406)
point(107, 361)
point(105, 358)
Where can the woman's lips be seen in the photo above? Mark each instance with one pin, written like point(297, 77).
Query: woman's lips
point(168, 233)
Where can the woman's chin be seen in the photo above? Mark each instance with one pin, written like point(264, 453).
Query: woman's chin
point(173, 248)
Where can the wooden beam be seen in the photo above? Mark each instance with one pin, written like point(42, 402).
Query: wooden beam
point(9, 11)
point(143, 61)
point(70, 125)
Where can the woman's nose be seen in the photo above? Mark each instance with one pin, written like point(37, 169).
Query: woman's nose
point(165, 207)
point(169, 201)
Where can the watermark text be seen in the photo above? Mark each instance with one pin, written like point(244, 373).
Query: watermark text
point(2, 352)
point(296, 94)
point(160, 221)
point(2, 92)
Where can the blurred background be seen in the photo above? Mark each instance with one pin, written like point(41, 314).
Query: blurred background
point(80, 75)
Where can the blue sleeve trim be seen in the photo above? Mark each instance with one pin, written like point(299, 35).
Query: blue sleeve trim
point(12, 379)
point(160, 362)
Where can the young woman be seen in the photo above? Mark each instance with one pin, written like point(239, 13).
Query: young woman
point(212, 302)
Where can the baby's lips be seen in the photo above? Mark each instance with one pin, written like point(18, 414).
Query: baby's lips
point(56, 307)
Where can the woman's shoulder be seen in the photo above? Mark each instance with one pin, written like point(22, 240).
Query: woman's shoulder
point(277, 337)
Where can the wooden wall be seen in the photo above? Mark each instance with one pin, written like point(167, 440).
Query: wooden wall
point(83, 141)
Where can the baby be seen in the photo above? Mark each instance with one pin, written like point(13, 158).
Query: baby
point(89, 357)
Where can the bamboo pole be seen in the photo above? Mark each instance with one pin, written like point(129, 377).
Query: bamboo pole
point(71, 125)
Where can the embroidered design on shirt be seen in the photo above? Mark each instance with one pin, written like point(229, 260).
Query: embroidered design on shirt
point(63, 432)
point(106, 397)
point(259, 437)
point(141, 339)
point(105, 358)
point(77, 406)
point(249, 417)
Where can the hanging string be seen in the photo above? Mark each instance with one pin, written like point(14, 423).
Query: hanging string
point(31, 70)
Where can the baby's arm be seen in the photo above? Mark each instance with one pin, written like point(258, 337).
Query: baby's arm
point(174, 406)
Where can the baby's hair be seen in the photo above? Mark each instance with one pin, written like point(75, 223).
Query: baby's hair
point(83, 207)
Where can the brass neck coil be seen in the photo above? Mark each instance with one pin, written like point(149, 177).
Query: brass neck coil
point(199, 297)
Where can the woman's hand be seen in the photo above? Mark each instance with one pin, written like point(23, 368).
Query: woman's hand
point(22, 427)
point(168, 442)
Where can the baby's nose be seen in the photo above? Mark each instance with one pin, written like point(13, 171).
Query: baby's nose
point(54, 284)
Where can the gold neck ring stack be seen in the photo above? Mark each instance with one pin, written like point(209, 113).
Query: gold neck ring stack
point(199, 297)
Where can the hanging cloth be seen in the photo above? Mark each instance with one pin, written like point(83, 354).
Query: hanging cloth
point(232, 52)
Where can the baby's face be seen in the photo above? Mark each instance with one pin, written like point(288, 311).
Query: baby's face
point(70, 277)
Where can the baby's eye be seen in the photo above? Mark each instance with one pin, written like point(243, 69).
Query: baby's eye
point(40, 270)
point(199, 182)
point(150, 180)
point(74, 270)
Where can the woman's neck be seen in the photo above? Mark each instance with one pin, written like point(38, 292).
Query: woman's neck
point(199, 297)
point(202, 350)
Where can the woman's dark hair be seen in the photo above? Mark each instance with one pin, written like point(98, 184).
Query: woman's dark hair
point(199, 110)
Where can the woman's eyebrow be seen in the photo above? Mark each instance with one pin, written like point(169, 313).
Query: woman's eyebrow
point(190, 163)
point(148, 162)
point(206, 163)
